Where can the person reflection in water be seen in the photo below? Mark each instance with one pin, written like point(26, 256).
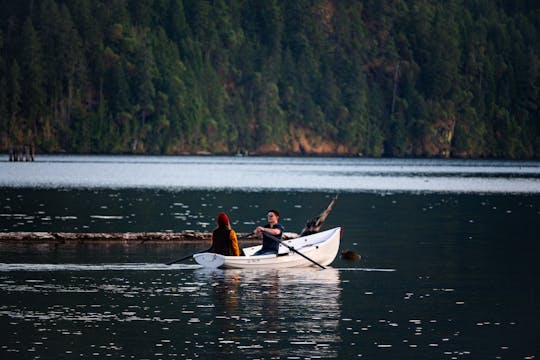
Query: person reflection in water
point(224, 239)
point(273, 228)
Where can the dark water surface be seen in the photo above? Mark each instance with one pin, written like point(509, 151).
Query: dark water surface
point(442, 276)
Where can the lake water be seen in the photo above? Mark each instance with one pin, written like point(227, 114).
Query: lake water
point(448, 265)
point(269, 173)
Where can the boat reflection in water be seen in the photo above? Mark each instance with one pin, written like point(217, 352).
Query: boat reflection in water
point(274, 313)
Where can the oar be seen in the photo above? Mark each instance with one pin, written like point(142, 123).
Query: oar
point(293, 249)
point(186, 257)
point(200, 252)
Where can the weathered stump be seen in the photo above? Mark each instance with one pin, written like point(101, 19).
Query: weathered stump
point(25, 152)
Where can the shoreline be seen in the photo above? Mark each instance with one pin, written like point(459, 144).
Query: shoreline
point(287, 154)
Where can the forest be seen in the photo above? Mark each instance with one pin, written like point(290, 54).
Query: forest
point(393, 78)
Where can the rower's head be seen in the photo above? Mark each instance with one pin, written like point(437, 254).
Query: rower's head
point(222, 219)
point(273, 216)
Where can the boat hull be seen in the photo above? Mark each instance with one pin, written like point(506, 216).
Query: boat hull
point(320, 247)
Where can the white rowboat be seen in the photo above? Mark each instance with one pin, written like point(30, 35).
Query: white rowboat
point(321, 247)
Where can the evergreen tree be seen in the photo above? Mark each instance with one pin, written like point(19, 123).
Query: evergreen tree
point(32, 77)
point(392, 77)
point(15, 121)
point(4, 101)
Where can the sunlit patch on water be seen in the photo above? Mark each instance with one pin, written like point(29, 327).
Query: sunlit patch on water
point(256, 174)
point(256, 313)
point(365, 269)
point(96, 267)
point(107, 217)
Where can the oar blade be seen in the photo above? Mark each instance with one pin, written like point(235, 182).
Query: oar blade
point(209, 260)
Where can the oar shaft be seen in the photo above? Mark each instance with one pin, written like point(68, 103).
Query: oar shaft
point(199, 252)
point(178, 260)
point(293, 249)
point(186, 257)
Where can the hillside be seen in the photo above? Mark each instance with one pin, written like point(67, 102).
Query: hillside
point(430, 78)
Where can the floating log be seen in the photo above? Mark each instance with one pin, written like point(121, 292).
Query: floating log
point(128, 238)
point(124, 238)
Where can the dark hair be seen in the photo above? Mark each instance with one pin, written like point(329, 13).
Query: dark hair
point(274, 211)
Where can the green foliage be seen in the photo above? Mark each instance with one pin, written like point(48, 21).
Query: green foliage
point(377, 78)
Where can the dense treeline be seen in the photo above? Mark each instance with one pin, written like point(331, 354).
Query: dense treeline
point(393, 77)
